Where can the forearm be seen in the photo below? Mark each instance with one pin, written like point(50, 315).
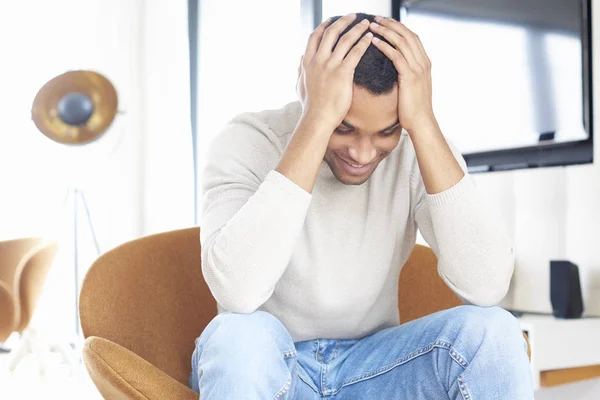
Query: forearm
point(476, 257)
point(243, 261)
point(474, 249)
point(304, 153)
point(438, 166)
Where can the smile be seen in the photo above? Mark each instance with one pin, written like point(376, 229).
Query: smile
point(354, 169)
point(356, 165)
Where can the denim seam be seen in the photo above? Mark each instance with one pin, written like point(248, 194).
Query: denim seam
point(458, 358)
point(290, 353)
point(437, 344)
point(284, 389)
point(308, 382)
point(464, 390)
point(323, 378)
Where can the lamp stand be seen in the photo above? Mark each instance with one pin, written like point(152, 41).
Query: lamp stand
point(79, 200)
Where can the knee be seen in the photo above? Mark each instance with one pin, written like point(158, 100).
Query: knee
point(258, 322)
point(233, 332)
point(478, 324)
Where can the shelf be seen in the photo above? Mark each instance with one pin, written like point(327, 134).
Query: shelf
point(562, 350)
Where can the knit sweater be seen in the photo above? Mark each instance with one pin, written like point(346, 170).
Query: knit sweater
point(327, 264)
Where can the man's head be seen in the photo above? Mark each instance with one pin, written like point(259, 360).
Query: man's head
point(370, 130)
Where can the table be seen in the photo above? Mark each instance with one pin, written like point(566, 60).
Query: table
point(562, 350)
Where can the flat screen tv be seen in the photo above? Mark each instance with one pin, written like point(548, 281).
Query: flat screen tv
point(512, 79)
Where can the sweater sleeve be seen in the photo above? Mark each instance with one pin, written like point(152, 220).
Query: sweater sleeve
point(252, 217)
point(474, 250)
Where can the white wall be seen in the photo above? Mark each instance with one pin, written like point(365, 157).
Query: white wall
point(553, 213)
point(40, 170)
point(138, 178)
point(341, 7)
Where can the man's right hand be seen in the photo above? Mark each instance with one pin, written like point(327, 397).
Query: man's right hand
point(326, 76)
point(325, 88)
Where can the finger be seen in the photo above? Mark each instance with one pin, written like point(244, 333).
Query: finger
point(332, 33)
point(349, 39)
point(422, 50)
point(400, 42)
point(403, 30)
point(394, 25)
point(413, 40)
point(314, 40)
point(394, 55)
point(354, 56)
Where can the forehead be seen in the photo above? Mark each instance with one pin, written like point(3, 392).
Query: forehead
point(370, 112)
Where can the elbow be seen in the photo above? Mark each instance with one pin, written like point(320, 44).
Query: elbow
point(230, 292)
point(487, 297)
point(234, 298)
point(240, 307)
point(484, 285)
point(490, 290)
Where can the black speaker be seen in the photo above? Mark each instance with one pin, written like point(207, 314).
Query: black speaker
point(565, 290)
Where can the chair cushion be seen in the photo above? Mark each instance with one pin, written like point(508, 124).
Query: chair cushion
point(120, 374)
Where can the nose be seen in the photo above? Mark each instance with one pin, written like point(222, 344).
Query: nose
point(362, 152)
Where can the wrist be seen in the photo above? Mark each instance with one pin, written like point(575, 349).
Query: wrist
point(423, 126)
point(318, 122)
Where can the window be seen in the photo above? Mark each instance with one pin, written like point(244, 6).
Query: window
point(247, 61)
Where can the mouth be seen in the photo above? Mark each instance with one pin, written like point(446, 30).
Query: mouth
point(354, 169)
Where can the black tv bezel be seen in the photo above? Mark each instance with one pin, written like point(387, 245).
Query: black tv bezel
point(550, 154)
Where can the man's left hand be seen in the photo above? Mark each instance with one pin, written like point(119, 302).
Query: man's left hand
point(415, 109)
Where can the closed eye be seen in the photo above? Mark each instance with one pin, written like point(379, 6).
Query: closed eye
point(343, 131)
point(390, 133)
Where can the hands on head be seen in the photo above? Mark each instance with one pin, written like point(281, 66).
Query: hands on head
point(326, 72)
point(326, 75)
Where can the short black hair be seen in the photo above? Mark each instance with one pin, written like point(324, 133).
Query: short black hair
point(375, 72)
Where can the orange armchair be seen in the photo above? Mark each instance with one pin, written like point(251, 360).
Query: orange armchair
point(24, 264)
point(144, 303)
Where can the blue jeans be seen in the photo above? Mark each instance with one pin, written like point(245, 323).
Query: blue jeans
point(466, 353)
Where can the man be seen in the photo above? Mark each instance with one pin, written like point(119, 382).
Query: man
point(311, 210)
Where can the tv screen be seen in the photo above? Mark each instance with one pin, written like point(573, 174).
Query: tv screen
point(511, 78)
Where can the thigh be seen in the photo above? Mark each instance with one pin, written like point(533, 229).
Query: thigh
point(398, 362)
point(251, 354)
point(422, 359)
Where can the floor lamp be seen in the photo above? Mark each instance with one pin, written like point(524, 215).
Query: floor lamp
point(78, 198)
point(75, 109)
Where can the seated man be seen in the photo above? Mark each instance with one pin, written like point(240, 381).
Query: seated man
point(309, 213)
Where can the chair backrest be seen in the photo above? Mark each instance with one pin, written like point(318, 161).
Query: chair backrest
point(31, 275)
point(422, 291)
point(11, 255)
point(8, 315)
point(149, 296)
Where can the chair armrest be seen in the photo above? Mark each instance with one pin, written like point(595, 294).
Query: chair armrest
point(8, 316)
point(121, 374)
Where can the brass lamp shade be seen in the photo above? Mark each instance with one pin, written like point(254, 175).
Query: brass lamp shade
point(98, 93)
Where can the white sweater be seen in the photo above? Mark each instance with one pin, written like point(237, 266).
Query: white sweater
point(327, 264)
